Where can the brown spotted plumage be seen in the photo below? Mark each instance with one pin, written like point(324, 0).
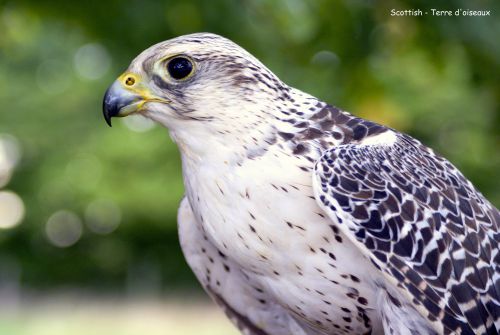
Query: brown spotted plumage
point(300, 218)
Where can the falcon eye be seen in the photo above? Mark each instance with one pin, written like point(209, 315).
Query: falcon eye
point(180, 67)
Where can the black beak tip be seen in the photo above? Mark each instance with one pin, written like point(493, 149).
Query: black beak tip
point(108, 120)
point(108, 108)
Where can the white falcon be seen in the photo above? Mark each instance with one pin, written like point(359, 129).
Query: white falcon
point(300, 218)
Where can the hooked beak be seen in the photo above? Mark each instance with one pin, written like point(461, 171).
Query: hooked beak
point(126, 96)
point(119, 101)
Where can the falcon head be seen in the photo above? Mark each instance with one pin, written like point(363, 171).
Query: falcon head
point(196, 85)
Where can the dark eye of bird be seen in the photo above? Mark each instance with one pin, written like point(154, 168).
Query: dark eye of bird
point(179, 67)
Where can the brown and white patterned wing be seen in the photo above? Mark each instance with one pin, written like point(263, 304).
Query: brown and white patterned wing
point(422, 224)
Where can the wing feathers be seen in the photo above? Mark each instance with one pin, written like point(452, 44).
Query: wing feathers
point(423, 223)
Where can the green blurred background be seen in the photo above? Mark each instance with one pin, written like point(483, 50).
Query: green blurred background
point(87, 213)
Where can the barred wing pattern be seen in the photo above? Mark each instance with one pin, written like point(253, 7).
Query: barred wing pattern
point(422, 224)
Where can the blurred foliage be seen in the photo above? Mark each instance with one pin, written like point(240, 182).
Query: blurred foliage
point(436, 78)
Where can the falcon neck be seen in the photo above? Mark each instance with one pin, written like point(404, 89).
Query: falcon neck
point(234, 132)
point(234, 136)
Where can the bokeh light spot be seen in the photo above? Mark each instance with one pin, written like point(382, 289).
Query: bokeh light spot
point(325, 57)
point(92, 61)
point(10, 153)
point(19, 26)
point(11, 209)
point(102, 216)
point(63, 228)
point(138, 123)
